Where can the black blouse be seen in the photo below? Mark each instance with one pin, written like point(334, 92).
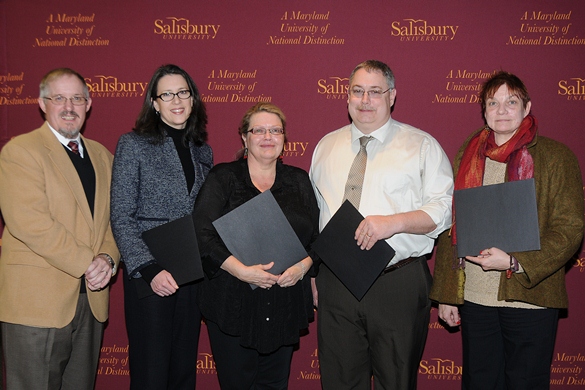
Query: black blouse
point(265, 319)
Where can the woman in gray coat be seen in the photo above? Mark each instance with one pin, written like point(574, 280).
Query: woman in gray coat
point(158, 170)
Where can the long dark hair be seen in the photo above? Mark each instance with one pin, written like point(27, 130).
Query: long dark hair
point(148, 121)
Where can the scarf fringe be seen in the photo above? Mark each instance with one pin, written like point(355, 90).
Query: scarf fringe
point(457, 262)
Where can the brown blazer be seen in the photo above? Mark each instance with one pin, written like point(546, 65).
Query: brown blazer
point(50, 237)
point(559, 196)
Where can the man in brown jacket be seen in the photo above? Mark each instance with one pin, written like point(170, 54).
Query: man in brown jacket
point(58, 252)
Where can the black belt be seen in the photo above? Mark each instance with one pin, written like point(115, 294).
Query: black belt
point(400, 264)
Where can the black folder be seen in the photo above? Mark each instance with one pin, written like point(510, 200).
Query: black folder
point(258, 232)
point(357, 269)
point(174, 246)
point(500, 215)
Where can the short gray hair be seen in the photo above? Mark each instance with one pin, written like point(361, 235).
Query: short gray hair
point(58, 73)
point(375, 66)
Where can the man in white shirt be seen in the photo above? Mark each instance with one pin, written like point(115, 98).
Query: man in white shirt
point(406, 199)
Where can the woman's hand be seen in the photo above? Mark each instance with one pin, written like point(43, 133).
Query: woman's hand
point(491, 259)
point(315, 293)
point(450, 314)
point(255, 274)
point(294, 273)
point(163, 284)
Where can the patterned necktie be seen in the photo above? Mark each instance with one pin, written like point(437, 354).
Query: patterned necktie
point(355, 178)
point(74, 146)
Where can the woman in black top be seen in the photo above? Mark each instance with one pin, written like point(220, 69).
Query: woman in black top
point(253, 332)
point(158, 170)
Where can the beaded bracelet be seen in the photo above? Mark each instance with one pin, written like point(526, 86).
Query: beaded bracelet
point(302, 270)
point(513, 267)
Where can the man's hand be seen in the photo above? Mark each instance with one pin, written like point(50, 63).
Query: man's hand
point(382, 227)
point(374, 228)
point(99, 273)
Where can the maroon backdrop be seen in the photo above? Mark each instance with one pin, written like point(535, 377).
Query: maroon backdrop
point(298, 55)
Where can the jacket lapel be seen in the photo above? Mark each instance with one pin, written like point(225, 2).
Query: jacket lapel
point(102, 182)
point(63, 165)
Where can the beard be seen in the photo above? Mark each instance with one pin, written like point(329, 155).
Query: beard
point(71, 131)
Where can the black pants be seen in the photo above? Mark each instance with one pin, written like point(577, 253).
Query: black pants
point(240, 368)
point(383, 335)
point(507, 348)
point(163, 336)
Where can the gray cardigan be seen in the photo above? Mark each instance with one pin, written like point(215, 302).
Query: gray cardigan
point(148, 190)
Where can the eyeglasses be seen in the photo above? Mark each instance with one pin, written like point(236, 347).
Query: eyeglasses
point(372, 94)
point(62, 100)
point(263, 130)
point(169, 96)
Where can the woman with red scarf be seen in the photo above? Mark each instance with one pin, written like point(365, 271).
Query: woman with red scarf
point(508, 303)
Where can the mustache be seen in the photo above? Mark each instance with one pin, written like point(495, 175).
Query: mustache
point(69, 113)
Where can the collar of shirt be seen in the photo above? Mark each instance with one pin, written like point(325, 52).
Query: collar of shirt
point(65, 141)
point(379, 134)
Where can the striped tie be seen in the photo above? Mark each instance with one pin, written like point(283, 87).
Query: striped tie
point(355, 179)
point(74, 146)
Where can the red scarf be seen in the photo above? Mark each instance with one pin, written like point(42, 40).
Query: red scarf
point(514, 153)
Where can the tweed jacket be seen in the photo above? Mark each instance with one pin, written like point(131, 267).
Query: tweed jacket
point(148, 190)
point(50, 237)
point(559, 195)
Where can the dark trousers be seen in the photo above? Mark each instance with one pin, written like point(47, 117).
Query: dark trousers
point(507, 348)
point(240, 368)
point(383, 335)
point(53, 358)
point(163, 336)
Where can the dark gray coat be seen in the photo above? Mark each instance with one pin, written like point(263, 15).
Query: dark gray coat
point(148, 190)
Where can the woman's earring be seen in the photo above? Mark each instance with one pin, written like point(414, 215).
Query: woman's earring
point(245, 152)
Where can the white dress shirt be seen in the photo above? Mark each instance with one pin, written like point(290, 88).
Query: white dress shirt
point(65, 141)
point(407, 170)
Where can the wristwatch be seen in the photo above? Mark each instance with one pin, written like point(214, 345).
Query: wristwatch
point(111, 261)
